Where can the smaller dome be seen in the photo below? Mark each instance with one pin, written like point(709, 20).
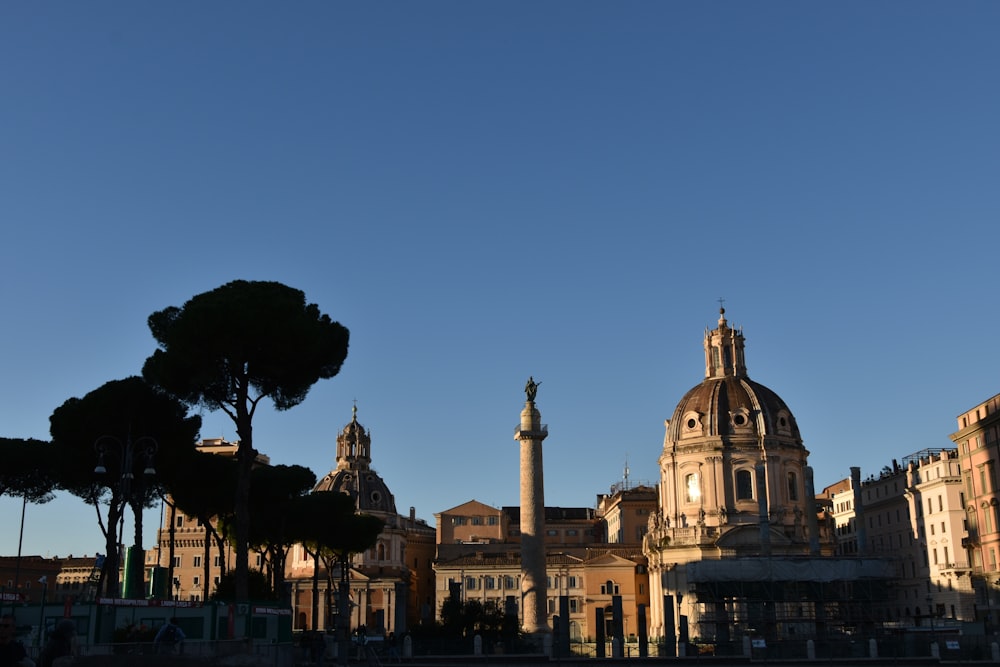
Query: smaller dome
point(354, 475)
point(366, 487)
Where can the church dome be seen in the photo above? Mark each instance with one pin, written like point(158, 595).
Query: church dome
point(733, 456)
point(730, 406)
point(354, 474)
point(727, 403)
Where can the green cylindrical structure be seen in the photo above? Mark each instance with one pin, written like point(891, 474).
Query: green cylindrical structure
point(132, 587)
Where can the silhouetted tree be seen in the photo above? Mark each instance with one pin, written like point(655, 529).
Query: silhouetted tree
point(274, 491)
point(258, 587)
point(331, 531)
point(205, 493)
point(231, 348)
point(27, 471)
point(117, 413)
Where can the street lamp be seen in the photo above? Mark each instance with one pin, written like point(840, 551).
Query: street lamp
point(44, 581)
point(128, 452)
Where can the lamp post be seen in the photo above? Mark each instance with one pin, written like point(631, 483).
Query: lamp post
point(44, 581)
point(127, 452)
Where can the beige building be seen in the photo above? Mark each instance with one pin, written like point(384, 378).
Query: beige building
point(478, 556)
point(938, 522)
point(624, 512)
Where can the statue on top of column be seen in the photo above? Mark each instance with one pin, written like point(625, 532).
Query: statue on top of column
point(531, 389)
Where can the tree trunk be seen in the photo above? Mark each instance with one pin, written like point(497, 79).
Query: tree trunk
point(109, 573)
point(207, 556)
point(242, 507)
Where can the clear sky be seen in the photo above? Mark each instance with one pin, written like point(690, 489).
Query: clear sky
point(483, 191)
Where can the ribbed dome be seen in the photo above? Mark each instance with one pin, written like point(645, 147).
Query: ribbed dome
point(354, 475)
point(732, 406)
point(369, 491)
point(728, 404)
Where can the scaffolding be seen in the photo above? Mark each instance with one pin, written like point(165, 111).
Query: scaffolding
point(787, 598)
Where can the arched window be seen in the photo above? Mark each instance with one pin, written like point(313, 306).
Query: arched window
point(744, 485)
point(692, 488)
point(381, 551)
point(793, 487)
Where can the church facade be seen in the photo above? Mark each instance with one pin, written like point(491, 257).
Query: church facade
point(392, 583)
point(734, 547)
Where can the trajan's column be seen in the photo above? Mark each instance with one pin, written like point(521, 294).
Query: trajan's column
point(530, 434)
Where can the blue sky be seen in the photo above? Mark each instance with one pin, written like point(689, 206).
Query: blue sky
point(483, 191)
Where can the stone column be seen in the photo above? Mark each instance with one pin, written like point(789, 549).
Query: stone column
point(530, 433)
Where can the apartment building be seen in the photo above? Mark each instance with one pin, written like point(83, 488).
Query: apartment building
point(978, 443)
point(937, 512)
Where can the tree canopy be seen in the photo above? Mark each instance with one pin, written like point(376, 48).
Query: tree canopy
point(232, 347)
point(100, 429)
point(27, 470)
point(274, 496)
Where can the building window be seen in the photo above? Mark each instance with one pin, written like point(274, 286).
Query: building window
point(180, 521)
point(744, 485)
point(692, 489)
point(552, 605)
point(196, 561)
point(574, 606)
point(458, 520)
point(477, 521)
point(793, 487)
point(508, 582)
point(489, 583)
point(217, 561)
point(571, 532)
point(491, 521)
point(196, 581)
point(177, 561)
point(552, 533)
point(572, 581)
